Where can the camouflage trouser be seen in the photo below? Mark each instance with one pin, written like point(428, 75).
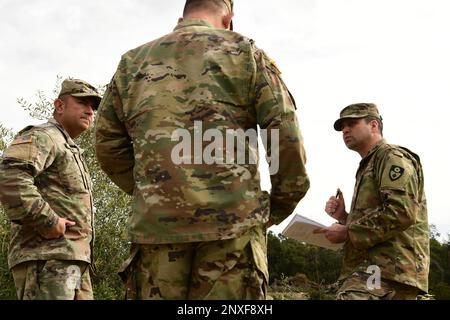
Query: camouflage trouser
point(53, 280)
point(355, 288)
point(226, 270)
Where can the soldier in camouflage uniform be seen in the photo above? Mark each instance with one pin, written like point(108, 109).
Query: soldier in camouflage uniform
point(198, 230)
point(386, 231)
point(46, 190)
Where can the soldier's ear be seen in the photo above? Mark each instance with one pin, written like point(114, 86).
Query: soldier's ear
point(226, 20)
point(59, 106)
point(374, 125)
point(180, 20)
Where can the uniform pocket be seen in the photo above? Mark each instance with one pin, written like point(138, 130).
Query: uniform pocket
point(355, 294)
point(71, 171)
point(258, 245)
point(127, 273)
point(356, 288)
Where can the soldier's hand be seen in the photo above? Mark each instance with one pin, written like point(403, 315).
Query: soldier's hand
point(335, 207)
point(59, 229)
point(337, 233)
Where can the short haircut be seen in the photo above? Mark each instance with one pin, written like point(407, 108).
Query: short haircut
point(380, 123)
point(213, 6)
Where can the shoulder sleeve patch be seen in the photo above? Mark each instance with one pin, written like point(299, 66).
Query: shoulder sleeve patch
point(22, 140)
point(396, 173)
point(36, 149)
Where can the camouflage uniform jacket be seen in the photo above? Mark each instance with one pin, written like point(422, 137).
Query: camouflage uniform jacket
point(388, 224)
point(43, 177)
point(218, 77)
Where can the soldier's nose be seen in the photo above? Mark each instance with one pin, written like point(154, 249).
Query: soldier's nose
point(345, 129)
point(89, 110)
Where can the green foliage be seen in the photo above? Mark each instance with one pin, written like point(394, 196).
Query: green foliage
point(439, 278)
point(301, 272)
point(7, 291)
point(288, 257)
point(284, 290)
point(5, 137)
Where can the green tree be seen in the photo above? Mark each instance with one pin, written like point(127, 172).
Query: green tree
point(288, 257)
point(439, 278)
point(7, 291)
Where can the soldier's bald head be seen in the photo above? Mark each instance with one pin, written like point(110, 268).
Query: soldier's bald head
point(211, 6)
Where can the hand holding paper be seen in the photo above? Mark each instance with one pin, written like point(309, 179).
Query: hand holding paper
point(337, 233)
point(303, 229)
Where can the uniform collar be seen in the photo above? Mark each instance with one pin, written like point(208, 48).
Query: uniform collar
point(193, 23)
point(63, 131)
point(373, 151)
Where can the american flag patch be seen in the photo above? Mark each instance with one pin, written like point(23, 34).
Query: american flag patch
point(22, 140)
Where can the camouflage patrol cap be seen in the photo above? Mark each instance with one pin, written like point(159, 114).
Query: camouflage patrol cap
point(356, 111)
point(79, 88)
point(228, 3)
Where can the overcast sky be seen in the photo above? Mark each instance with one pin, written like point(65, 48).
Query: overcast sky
point(332, 53)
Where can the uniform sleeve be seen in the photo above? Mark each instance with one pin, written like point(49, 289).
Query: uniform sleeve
point(27, 157)
point(399, 191)
point(276, 113)
point(113, 145)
